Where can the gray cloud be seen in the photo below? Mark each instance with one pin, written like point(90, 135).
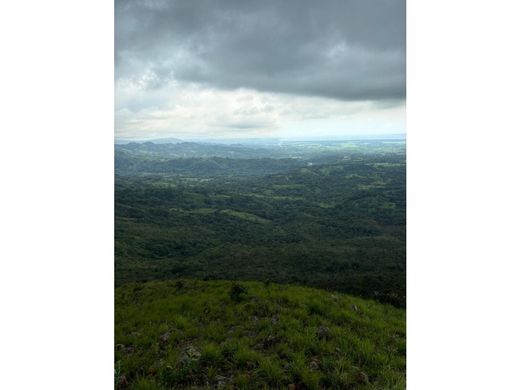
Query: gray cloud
point(342, 49)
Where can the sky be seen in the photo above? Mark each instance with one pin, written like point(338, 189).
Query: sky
point(250, 69)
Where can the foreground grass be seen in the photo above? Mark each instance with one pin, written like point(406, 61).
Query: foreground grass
point(253, 335)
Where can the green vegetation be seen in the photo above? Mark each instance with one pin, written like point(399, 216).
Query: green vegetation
point(219, 250)
point(245, 216)
point(331, 218)
point(252, 335)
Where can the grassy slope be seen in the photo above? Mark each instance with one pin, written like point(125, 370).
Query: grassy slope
point(194, 334)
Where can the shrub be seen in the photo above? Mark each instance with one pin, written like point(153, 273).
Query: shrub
point(237, 292)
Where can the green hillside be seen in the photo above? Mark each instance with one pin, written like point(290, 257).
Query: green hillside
point(328, 221)
point(253, 335)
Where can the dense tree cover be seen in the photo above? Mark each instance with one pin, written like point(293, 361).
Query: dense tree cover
point(329, 215)
point(187, 334)
point(272, 149)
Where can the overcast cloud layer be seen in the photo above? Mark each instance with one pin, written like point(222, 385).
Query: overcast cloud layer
point(270, 67)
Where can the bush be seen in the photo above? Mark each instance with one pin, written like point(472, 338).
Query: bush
point(237, 292)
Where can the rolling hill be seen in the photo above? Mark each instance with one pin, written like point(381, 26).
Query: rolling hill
point(253, 335)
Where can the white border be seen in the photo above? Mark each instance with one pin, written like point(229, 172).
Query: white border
point(463, 195)
point(56, 206)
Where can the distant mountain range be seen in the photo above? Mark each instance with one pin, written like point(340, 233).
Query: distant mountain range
point(155, 141)
point(262, 141)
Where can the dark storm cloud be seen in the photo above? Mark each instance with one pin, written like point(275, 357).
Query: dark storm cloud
point(342, 49)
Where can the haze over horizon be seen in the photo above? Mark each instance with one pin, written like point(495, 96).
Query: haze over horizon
point(297, 69)
point(264, 139)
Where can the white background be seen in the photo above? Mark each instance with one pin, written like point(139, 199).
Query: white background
point(56, 194)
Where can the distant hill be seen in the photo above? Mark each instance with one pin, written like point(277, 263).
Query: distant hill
point(155, 141)
point(214, 166)
point(151, 157)
point(335, 222)
point(191, 149)
point(219, 334)
point(167, 141)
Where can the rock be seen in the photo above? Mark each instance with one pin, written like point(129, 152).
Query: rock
point(323, 332)
point(270, 341)
point(164, 337)
point(314, 364)
point(192, 353)
point(123, 382)
point(126, 349)
point(222, 381)
point(362, 378)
